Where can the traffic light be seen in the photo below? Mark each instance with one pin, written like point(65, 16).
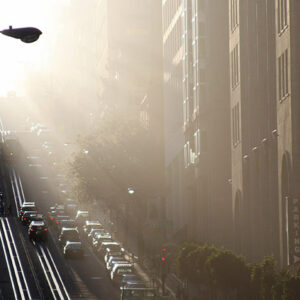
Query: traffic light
point(163, 255)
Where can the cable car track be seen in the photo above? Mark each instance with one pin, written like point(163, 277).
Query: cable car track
point(14, 265)
point(50, 271)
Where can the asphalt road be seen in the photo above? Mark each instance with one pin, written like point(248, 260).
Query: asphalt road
point(83, 279)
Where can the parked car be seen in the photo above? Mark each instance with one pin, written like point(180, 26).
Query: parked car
point(73, 249)
point(38, 231)
point(89, 225)
point(105, 245)
point(68, 234)
point(99, 238)
point(115, 259)
point(119, 270)
point(94, 232)
point(81, 217)
point(29, 216)
point(113, 253)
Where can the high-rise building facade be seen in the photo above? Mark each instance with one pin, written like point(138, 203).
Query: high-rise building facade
point(196, 76)
point(173, 113)
point(264, 68)
point(287, 26)
point(253, 123)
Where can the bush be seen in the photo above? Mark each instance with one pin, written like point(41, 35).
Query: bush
point(221, 269)
point(228, 271)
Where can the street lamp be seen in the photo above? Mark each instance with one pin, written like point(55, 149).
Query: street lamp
point(25, 34)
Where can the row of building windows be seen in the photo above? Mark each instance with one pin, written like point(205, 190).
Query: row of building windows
point(235, 67)
point(283, 75)
point(194, 148)
point(235, 117)
point(194, 78)
point(234, 16)
point(193, 105)
point(282, 15)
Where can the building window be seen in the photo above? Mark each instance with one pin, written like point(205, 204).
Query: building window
point(200, 142)
point(186, 111)
point(186, 150)
point(283, 75)
point(235, 68)
point(282, 15)
point(233, 14)
point(235, 124)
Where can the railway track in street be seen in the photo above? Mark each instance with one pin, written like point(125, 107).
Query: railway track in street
point(47, 263)
point(14, 265)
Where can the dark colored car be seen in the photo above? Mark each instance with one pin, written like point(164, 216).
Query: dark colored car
point(27, 206)
point(38, 231)
point(73, 249)
point(29, 216)
point(52, 215)
point(58, 219)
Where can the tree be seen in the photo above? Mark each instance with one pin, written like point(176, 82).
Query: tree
point(228, 271)
point(264, 278)
point(183, 264)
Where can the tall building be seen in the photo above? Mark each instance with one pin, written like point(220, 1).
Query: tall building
point(265, 128)
point(196, 73)
point(253, 116)
point(173, 48)
point(287, 26)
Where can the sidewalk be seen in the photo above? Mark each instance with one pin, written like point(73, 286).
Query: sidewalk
point(171, 283)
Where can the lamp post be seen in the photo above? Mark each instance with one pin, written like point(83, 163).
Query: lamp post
point(25, 34)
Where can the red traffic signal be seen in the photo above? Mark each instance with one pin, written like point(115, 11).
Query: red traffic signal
point(163, 257)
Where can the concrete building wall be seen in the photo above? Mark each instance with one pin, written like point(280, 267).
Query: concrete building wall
point(287, 81)
point(254, 146)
